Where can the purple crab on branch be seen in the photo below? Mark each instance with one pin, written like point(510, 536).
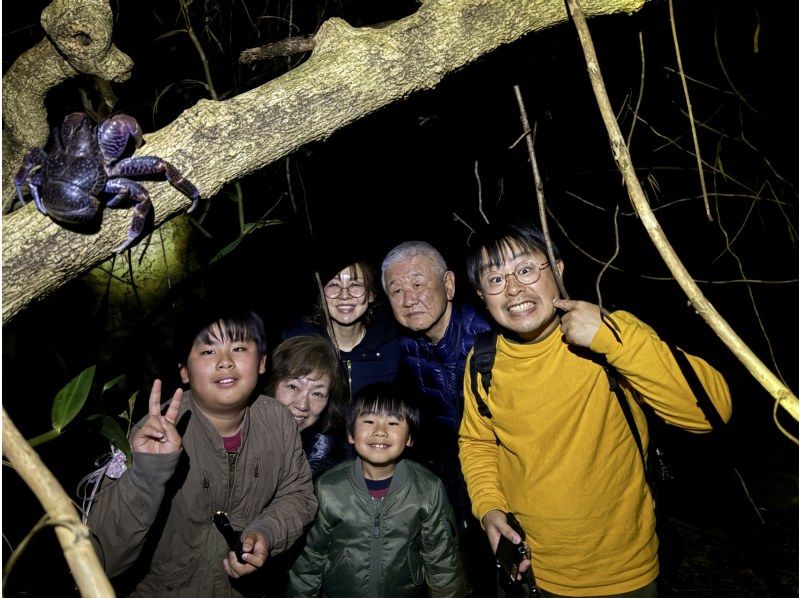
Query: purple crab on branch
point(82, 172)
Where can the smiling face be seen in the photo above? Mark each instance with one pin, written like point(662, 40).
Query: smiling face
point(379, 439)
point(345, 309)
point(524, 309)
point(305, 396)
point(420, 295)
point(222, 373)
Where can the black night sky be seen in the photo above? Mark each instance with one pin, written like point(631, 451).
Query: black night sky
point(408, 171)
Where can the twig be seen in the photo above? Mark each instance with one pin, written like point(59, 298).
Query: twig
point(700, 170)
point(724, 70)
point(523, 116)
point(604, 316)
point(480, 194)
point(740, 266)
point(285, 47)
point(289, 186)
point(704, 308)
point(200, 51)
point(641, 93)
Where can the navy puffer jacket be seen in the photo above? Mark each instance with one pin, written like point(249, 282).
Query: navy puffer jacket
point(435, 373)
point(437, 369)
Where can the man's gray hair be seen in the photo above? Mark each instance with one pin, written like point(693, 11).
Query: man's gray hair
point(409, 249)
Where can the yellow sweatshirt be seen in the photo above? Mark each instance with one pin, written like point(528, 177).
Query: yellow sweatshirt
point(559, 454)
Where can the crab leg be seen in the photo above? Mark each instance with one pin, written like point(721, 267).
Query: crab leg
point(132, 189)
point(149, 165)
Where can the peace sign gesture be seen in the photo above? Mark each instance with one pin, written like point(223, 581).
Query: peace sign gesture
point(158, 434)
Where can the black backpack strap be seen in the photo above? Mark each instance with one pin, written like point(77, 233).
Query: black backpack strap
point(613, 384)
point(697, 388)
point(481, 363)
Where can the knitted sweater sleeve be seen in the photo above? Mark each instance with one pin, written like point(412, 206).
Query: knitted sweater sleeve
point(647, 364)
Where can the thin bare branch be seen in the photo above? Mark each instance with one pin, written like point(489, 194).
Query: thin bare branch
point(700, 170)
point(641, 92)
point(523, 116)
point(480, 195)
point(724, 70)
point(755, 366)
point(285, 47)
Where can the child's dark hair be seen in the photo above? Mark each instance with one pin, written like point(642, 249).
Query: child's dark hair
point(236, 324)
point(495, 239)
point(383, 398)
point(302, 355)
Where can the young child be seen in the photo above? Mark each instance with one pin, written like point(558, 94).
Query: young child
point(211, 451)
point(384, 527)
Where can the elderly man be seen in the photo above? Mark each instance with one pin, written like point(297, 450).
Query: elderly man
point(439, 334)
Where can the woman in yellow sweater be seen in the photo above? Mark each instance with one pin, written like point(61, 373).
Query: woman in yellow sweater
point(557, 451)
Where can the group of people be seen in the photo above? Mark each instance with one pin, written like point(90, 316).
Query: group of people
point(371, 466)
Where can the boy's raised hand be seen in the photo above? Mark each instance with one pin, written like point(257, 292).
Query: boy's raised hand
point(158, 433)
point(254, 552)
point(580, 321)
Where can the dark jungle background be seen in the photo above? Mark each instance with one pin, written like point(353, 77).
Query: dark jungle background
point(409, 172)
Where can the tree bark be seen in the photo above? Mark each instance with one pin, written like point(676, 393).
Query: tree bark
point(350, 74)
point(72, 534)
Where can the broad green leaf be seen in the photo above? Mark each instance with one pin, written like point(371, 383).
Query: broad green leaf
point(112, 430)
point(70, 399)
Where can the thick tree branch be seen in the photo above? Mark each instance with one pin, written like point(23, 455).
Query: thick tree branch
point(71, 532)
point(350, 74)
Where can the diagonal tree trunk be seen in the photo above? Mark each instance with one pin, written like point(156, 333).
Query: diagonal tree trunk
point(351, 73)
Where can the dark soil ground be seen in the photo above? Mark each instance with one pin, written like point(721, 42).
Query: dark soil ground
point(732, 554)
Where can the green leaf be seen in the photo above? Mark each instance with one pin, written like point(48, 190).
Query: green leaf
point(71, 398)
point(112, 430)
point(118, 381)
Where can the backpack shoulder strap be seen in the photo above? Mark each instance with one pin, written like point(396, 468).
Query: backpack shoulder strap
point(701, 395)
point(697, 388)
point(613, 384)
point(481, 363)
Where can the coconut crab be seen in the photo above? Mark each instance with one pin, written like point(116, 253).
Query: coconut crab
point(73, 179)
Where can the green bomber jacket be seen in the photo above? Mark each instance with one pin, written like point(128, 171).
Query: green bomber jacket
point(401, 546)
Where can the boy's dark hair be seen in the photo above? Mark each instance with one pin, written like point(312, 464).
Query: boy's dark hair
point(236, 324)
point(303, 355)
point(383, 398)
point(495, 239)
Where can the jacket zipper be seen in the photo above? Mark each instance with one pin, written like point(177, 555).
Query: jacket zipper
point(376, 528)
point(232, 457)
point(349, 365)
point(376, 586)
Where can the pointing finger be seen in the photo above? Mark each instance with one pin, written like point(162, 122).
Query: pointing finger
point(565, 304)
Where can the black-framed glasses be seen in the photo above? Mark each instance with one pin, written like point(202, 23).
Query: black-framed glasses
point(354, 288)
point(526, 273)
